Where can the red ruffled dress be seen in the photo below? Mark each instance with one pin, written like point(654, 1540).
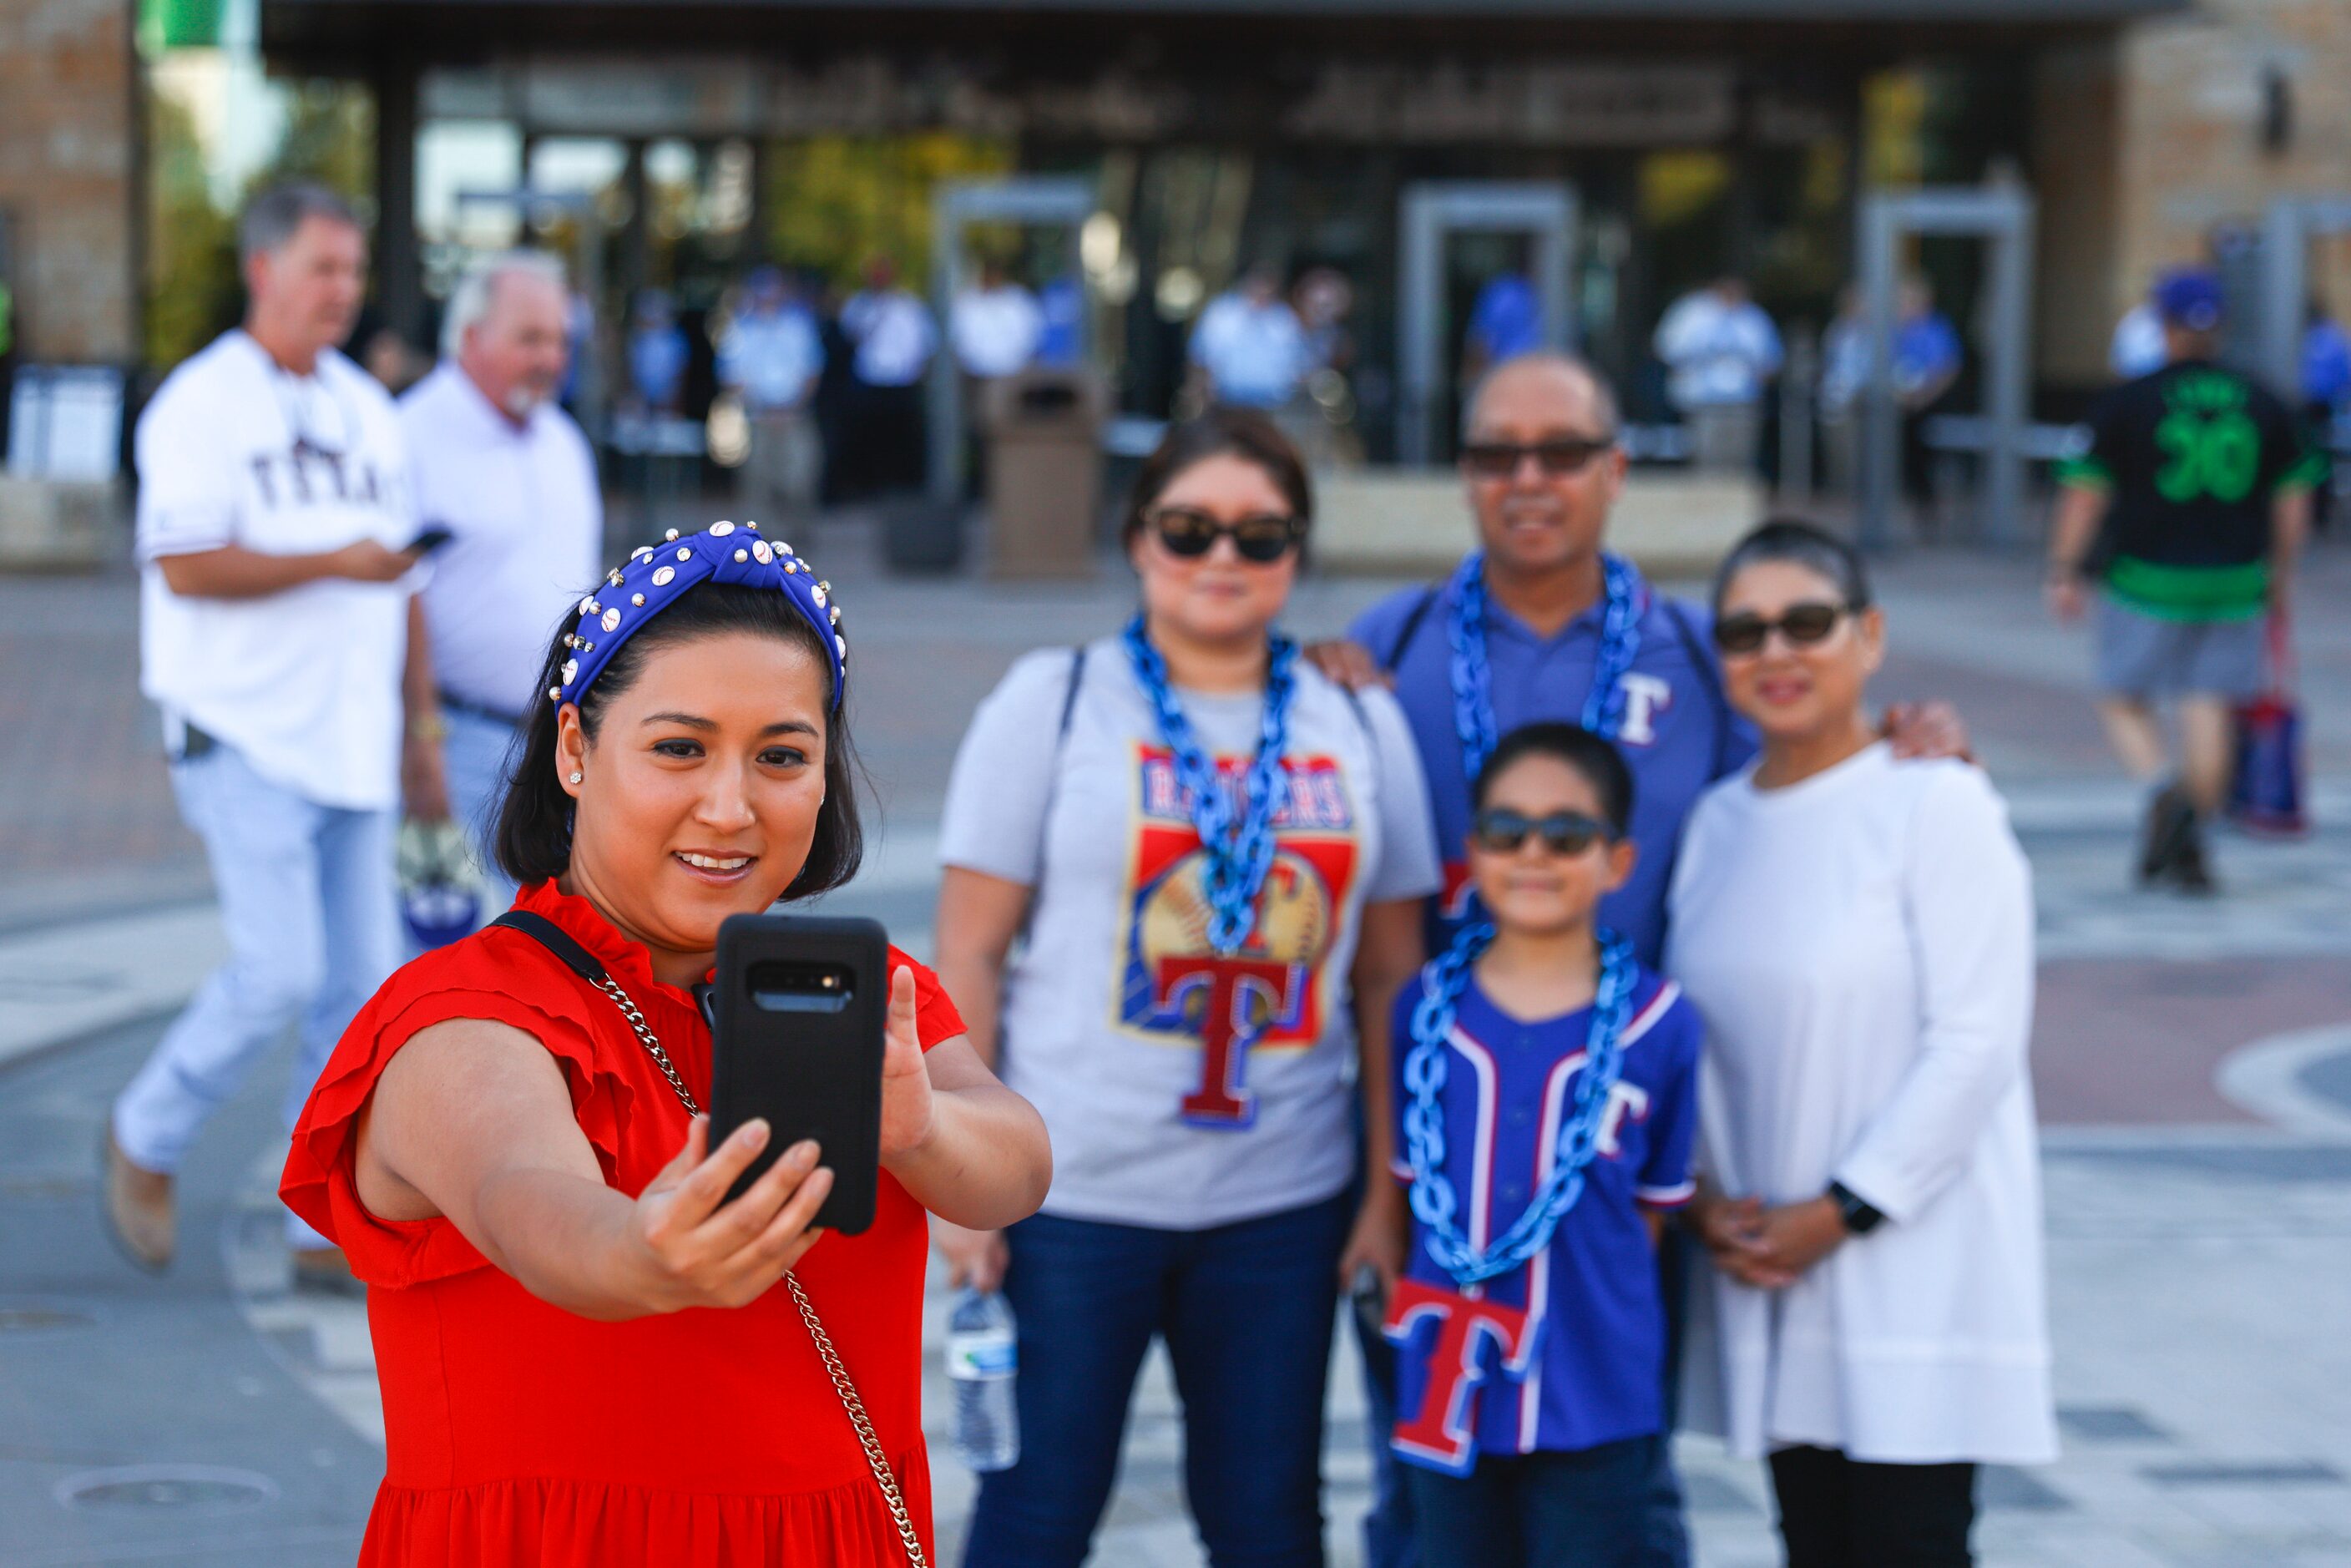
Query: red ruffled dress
point(517, 1433)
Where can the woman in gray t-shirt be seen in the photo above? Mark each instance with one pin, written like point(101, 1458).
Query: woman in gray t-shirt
point(1217, 858)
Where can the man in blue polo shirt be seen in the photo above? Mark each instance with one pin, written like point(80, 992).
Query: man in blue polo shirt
point(1541, 610)
point(1543, 469)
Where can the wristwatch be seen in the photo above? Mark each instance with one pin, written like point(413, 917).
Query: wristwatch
point(1860, 1216)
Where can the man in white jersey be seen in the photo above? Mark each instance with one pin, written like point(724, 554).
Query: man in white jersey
point(273, 517)
point(497, 463)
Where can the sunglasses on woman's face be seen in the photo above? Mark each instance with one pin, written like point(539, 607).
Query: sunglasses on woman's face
point(1802, 625)
point(1558, 457)
point(1502, 831)
point(1262, 536)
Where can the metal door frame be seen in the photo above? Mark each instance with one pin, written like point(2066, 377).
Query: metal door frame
point(1035, 200)
point(2287, 229)
point(2000, 214)
point(1434, 210)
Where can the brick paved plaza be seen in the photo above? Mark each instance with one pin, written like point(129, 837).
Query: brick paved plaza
point(2193, 1063)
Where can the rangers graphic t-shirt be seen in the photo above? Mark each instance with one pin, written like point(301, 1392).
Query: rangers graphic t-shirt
point(236, 450)
point(1120, 1022)
point(1568, 1352)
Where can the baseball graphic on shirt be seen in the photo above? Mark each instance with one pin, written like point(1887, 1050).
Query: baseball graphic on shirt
point(1294, 914)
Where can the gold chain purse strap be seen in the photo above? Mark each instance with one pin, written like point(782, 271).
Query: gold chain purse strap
point(584, 963)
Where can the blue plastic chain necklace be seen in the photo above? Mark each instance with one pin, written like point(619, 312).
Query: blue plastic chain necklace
point(1473, 680)
point(1239, 846)
point(1425, 1069)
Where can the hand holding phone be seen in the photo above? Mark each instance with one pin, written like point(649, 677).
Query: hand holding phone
point(800, 1025)
point(425, 543)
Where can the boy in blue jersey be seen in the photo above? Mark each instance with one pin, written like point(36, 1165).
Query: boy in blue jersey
point(1546, 1106)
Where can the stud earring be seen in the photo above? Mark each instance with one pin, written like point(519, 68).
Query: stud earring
point(576, 776)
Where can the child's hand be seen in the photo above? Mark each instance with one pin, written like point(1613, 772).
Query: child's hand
point(1382, 1234)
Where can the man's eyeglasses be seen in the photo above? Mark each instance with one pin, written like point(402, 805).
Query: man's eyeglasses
point(1803, 625)
point(1502, 831)
point(1558, 457)
point(1262, 536)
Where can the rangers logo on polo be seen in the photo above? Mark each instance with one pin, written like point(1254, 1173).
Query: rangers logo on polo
point(1270, 995)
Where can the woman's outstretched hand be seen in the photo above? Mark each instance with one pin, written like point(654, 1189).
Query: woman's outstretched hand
point(684, 1245)
point(909, 1109)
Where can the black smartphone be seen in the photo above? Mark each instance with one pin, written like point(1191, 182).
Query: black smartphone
point(799, 1005)
point(430, 539)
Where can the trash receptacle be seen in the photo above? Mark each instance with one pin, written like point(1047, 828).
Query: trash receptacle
point(1044, 472)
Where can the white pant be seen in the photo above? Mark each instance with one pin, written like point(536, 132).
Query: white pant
point(306, 893)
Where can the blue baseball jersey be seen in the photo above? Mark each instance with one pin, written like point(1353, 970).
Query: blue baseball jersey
point(1568, 1352)
point(1678, 733)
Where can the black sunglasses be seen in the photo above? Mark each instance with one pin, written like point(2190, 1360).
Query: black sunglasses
point(1801, 625)
point(1502, 831)
point(1262, 536)
point(1557, 458)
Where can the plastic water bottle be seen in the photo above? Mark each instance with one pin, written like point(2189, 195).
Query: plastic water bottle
point(983, 1357)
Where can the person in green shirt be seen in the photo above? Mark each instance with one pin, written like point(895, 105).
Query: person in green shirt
point(2187, 509)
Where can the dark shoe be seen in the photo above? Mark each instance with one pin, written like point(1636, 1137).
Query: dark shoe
point(325, 1270)
point(139, 1209)
point(2188, 870)
point(2170, 824)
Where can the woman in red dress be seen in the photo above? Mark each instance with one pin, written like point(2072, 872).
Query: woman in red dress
point(584, 1354)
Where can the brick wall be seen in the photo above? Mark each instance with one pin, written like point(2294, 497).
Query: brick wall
point(2189, 147)
point(67, 162)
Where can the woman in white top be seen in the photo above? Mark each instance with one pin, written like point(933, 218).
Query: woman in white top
point(1212, 855)
point(1858, 935)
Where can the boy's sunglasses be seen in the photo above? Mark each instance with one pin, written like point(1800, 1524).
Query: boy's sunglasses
point(1263, 537)
point(1801, 625)
point(1557, 458)
point(1502, 831)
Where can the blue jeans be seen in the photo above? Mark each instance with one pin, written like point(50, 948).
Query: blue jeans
point(1585, 1509)
point(475, 756)
point(1246, 1311)
point(306, 896)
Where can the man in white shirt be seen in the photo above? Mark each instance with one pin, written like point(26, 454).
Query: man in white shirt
point(1249, 344)
point(770, 358)
point(995, 326)
point(1723, 351)
point(274, 514)
point(500, 465)
point(894, 339)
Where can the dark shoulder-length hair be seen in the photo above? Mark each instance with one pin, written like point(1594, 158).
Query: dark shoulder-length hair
point(1221, 432)
point(533, 840)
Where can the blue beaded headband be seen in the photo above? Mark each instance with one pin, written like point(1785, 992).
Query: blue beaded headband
point(654, 577)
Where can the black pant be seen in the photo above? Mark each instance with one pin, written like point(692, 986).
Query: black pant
point(1836, 1512)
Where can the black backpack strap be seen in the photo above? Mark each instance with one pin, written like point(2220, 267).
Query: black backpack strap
point(556, 940)
point(1702, 661)
point(1411, 628)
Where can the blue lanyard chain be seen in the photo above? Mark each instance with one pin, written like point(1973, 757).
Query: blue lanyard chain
point(1240, 850)
point(1434, 1203)
point(1472, 678)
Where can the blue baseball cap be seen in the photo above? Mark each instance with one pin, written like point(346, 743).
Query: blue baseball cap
point(2189, 298)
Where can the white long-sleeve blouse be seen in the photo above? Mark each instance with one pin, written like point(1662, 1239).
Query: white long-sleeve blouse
point(1860, 945)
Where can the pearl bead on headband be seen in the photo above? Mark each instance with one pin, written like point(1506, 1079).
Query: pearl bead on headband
point(655, 576)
